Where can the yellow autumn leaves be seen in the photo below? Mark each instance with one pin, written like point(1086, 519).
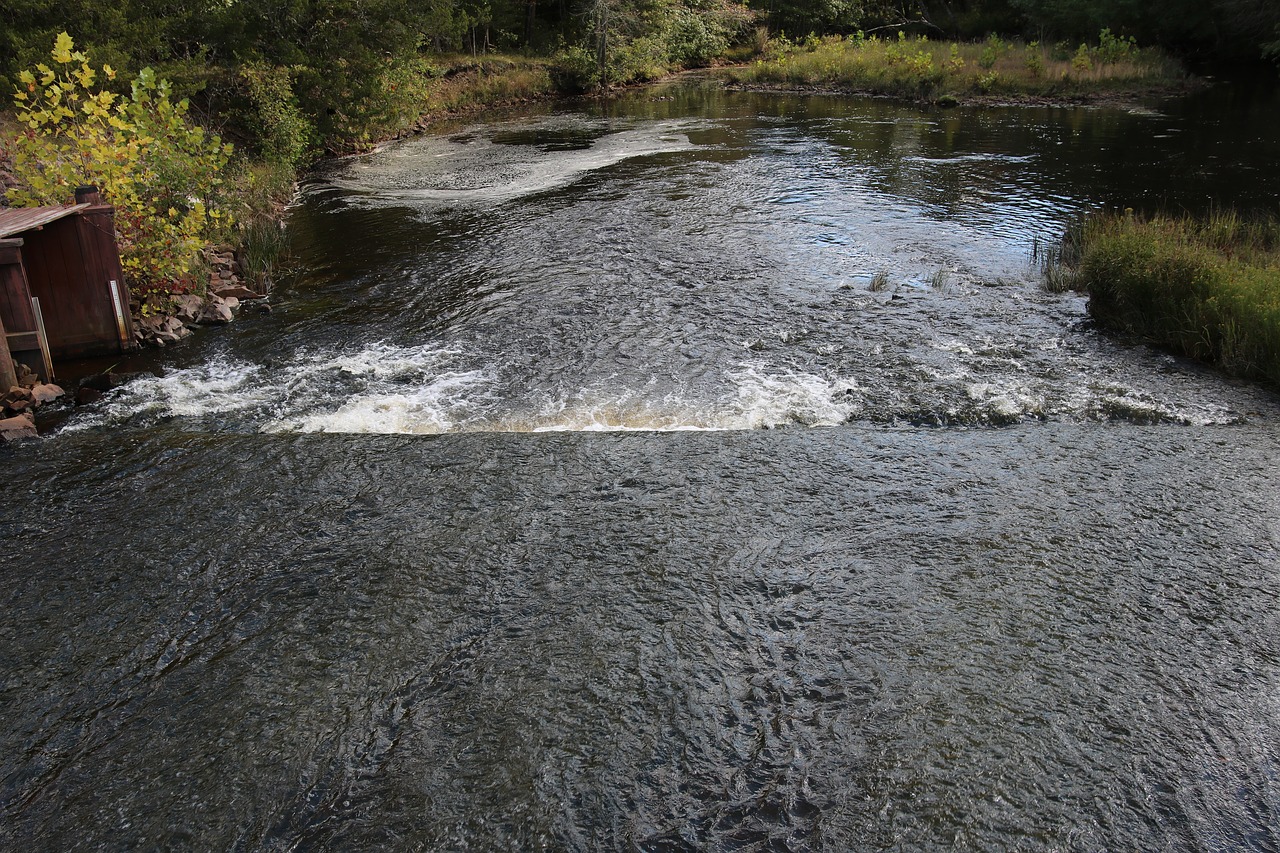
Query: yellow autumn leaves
point(163, 174)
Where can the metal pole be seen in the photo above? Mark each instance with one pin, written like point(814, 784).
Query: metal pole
point(115, 303)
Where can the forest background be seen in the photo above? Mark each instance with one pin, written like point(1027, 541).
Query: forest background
point(290, 79)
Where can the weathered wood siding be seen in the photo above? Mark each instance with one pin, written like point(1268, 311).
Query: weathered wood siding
point(69, 265)
point(16, 315)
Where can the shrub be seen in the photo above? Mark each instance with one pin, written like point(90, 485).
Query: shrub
point(1113, 48)
point(574, 70)
point(991, 52)
point(162, 173)
point(1081, 61)
point(1034, 59)
point(284, 133)
point(1208, 289)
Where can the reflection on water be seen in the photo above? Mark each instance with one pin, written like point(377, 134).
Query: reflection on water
point(696, 471)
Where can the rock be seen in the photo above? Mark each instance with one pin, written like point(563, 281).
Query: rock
point(18, 427)
point(161, 330)
point(46, 393)
point(237, 291)
point(17, 407)
point(26, 376)
point(150, 325)
point(264, 307)
point(187, 307)
point(16, 393)
point(174, 329)
point(103, 381)
point(214, 312)
point(87, 395)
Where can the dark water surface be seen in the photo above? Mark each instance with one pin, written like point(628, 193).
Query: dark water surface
point(702, 471)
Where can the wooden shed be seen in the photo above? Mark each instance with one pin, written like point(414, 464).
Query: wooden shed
point(62, 292)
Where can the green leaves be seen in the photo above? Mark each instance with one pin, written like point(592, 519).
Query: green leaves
point(162, 173)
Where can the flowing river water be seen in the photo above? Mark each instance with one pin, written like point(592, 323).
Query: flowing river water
point(695, 471)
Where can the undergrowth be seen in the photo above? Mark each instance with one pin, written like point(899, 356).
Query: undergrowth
point(916, 67)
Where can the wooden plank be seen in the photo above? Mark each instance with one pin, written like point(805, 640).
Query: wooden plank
point(54, 267)
point(8, 376)
point(23, 340)
point(15, 299)
point(97, 236)
point(19, 220)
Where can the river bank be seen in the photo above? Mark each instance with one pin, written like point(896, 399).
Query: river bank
point(1207, 288)
point(947, 73)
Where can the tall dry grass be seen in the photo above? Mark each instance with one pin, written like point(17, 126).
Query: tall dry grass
point(1208, 288)
point(917, 67)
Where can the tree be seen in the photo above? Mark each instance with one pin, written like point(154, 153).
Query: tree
point(162, 173)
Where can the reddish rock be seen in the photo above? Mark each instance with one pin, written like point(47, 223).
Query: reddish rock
point(186, 307)
point(215, 312)
point(17, 428)
point(237, 291)
point(46, 393)
point(26, 376)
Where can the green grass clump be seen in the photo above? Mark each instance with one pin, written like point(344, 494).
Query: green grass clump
point(1205, 288)
point(915, 67)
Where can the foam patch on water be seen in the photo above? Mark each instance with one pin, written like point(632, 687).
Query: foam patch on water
point(755, 399)
point(219, 386)
point(389, 389)
point(472, 169)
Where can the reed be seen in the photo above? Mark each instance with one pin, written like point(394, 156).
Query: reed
point(915, 67)
point(1208, 288)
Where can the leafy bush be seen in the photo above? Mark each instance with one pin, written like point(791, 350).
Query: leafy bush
point(162, 173)
point(1081, 61)
point(991, 52)
point(694, 39)
point(1034, 59)
point(574, 70)
point(1113, 48)
point(284, 133)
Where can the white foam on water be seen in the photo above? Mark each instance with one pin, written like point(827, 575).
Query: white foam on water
point(470, 169)
point(382, 388)
point(1006, 401)
point(767, 400)
point(386, 389)
point(441, 405)
point(218, 386)
point(755, 399)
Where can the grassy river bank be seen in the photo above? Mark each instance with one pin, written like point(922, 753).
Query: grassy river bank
point(1207, 288)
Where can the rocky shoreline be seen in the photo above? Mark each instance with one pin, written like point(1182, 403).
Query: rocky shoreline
point(225, 293)
point(20, 402)
point(181, 315)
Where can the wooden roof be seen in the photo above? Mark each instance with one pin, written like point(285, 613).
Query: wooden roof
point(15, 220)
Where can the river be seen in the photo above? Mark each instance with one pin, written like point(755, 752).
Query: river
point(697, 470)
